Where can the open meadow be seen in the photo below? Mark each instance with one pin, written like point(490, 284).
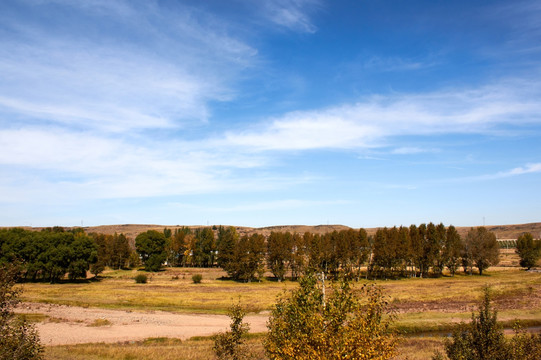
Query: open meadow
point(426, 309)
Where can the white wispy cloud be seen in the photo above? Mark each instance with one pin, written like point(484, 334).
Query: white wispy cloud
point(75, 109)
point(291, 14)
point(521, 170)
point(370, 122)
point(531, 168)
point(409, 150)
point(81, 75)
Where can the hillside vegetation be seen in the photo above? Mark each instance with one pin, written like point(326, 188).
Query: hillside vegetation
point(132, 230)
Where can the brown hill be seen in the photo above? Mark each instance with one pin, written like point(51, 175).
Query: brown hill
point(132, 230)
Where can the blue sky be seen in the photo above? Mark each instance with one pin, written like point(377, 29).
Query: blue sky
point(257, 113)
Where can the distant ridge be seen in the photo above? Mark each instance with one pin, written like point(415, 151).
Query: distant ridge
point(132, 230)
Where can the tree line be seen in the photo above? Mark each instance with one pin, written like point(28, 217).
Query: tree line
point(49, 254)
point(53, 253)
point(414, 251)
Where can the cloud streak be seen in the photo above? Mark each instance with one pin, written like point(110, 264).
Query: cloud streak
point(291, 14)
point(521, 170)
point(69, 75)
point(372, 121)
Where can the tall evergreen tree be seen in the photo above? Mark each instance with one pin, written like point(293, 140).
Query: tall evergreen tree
point(225, 245)
point(205, 247)
point(529, 250)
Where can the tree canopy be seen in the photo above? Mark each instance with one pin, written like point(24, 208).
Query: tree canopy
point(151, 247)
point(348, 324)
point(529, 250)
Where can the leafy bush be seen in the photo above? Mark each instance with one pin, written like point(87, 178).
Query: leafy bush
point(307, 325)
point(230, 345)
point(483, 338)
point(141, 279)
point(196, 278)
point(18, 339)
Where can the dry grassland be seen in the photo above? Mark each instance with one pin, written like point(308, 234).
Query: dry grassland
point(423, 306)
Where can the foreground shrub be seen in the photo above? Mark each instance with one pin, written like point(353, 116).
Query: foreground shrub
point(18, 339)
point(141, 279)
point(197, 278)
point(230, 345)
point(483, 339)
point(348, 325)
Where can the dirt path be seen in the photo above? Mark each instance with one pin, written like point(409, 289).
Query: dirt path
point(73, 325)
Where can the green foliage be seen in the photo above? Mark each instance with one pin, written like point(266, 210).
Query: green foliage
point(226, 243)
point(347, 325)
point(230, 345)
point(481, 249)
point(529, 250)
point(204, 252)
point(242, 258)
point(176, 247)
point(141, 279)
point(483, 339)
point(113, 250)
point(49, 254)
point(197, 278)
point(525, 346)
point(18, 339)
point(167, 233)
point(452, 249)
point(279, 252)
point(151, 247)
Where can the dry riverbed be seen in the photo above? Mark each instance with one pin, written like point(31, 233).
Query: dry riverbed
point(63, 325)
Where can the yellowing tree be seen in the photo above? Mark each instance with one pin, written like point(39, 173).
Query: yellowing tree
point(346, 325)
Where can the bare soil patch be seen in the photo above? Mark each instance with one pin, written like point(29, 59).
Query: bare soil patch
point(67, 325)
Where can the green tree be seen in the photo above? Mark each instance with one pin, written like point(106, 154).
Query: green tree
point(482, 338)
point(226, 243)
point(482, 248)
point(18, 339)
point(121, 251)
point(176, 247)
point(50, 253)
point(205, 247)
point(151, 248)
point(529, 250)
point(279, 252)
point(231, 345)
point(452, 248)
point(525, 346)
point(346, 325)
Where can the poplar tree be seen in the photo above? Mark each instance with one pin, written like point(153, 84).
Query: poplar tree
point(482, 248)
point(529, 250)
point(346, 324)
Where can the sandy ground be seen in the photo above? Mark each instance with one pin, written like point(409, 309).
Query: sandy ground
point(73, 325)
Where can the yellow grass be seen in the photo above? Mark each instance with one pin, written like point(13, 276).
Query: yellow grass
point(155, 349)
point(422, 305)
point(118, 290)
point(411, 348)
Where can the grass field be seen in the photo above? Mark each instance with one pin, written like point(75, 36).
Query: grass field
point(424, 307)
point(417, 348)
